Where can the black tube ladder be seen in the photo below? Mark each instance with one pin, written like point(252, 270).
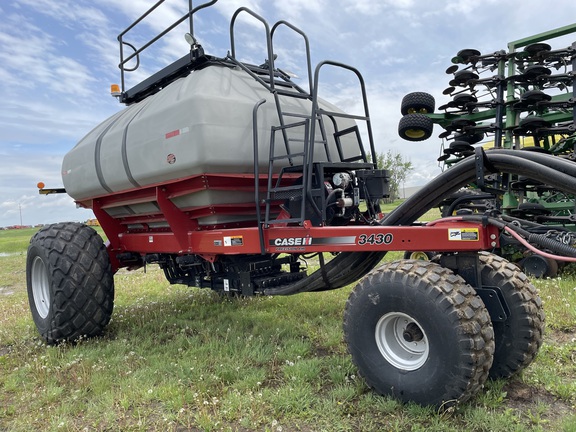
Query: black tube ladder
point(293, 174)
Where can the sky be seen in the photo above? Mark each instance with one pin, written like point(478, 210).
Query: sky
point(59, 57)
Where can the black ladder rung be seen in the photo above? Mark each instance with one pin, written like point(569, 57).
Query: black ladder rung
point(298, 115)
point(289, 125)
point(305, 140)
point(339, 114)
point(287, 188)
point(277, 221)
point(287, 156)
point(295, 94)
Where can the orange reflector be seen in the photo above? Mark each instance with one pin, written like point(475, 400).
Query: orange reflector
point(41, 185)
point(115, 90)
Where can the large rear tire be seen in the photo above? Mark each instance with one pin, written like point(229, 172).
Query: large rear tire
point(70, 282)
point(418, 332)
point(519, 338)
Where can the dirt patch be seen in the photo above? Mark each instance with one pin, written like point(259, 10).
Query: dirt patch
point(6, 290)
point(562, 336)
point(4, 351)
point(526, 398)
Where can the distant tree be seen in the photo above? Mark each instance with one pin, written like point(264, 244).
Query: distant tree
point(398, 170)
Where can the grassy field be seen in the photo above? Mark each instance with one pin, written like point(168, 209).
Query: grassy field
point(178, 358)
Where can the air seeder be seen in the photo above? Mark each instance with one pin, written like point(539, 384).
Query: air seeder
point(229, 175)
point(520, 99)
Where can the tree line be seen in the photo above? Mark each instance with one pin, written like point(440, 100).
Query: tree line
point(398, 170)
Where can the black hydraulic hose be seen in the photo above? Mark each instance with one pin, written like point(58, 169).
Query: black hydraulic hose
point(539, 239)
point(512, 219)
point(348, 267)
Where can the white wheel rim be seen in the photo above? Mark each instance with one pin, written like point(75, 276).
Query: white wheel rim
point(402, 341)
point(40, 287)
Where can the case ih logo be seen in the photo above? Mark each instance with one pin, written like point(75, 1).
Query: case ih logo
point(291, 241)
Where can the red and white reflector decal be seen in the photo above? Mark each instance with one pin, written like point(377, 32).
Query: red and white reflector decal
point(176, 133)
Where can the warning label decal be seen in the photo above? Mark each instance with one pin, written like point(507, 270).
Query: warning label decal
point(233, 241)
point(463, 234)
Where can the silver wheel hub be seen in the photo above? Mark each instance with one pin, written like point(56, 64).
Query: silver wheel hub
point(402, 341)
point(40, 287)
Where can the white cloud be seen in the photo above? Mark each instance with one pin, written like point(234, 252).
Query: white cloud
point(380, 44)
point(68, 12)
point(229, 7)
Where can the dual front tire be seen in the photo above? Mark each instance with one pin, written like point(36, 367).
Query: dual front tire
point(419, 333)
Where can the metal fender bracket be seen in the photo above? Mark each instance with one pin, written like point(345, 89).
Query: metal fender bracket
point(495, 303)
point(468, 267)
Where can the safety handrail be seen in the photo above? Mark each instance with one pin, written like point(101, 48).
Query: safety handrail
point(316, 110)
point(189, 15)
point(306, 42)
point(269, 49)
point(257, 173)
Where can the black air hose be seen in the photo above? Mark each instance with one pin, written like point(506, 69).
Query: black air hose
point(555, 162)
point(348, 267)
point(552, 244)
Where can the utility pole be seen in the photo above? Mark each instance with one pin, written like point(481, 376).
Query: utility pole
point(20, 209)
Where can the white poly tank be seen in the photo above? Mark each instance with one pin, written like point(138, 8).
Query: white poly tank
point(201, 123)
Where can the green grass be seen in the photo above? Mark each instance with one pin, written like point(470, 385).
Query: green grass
point(178, 358)
point(430, 215)
point(15, 241)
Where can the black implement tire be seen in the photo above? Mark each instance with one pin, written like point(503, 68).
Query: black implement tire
point(464, 98)
point(537, 266)
point(535, 96)
point(463, 77)
point(470, 138)
point(532, 123)
point(468, 199)
point(534, 71)
point(418, 332)
point(460, 146)
point(536, 48)
point(417, 102)
point(415, 127)
point(467, 53)
point(70, 282)
point(519, 338)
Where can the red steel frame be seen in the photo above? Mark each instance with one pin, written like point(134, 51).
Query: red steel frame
point(184, 235)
